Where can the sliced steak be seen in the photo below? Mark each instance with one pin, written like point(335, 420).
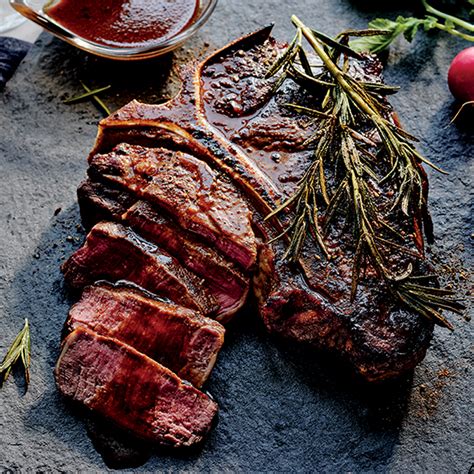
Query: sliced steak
point(186, 187)
point(131, 390)
point(178, 338)
point(114, 252)
point(99, 202)
point(225, 281)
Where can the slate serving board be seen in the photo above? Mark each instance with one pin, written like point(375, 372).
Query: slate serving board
point(281, 408)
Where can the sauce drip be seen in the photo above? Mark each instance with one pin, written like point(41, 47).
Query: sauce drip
point(124, 23)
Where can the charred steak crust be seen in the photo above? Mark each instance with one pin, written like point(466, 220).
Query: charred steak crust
point(131, 390)
point(114, 252)
point(384, 345)
point(178, 338)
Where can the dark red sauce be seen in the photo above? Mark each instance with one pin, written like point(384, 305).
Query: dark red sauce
point(125, 23)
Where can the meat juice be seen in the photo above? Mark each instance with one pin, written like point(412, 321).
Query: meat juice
point(124, 23)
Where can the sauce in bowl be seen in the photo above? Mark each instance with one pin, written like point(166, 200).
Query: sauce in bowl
point(124, 23)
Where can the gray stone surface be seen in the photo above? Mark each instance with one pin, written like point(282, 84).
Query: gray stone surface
point(281, 409)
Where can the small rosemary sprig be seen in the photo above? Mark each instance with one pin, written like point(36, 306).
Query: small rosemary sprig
point(344, 104)
point(19, 351)
point(86, 95)
point(91, 94)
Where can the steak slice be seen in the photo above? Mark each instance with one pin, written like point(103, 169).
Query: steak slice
point(99, 202)
point(178, 338)
point(186, 187)
point(133, 391)
point(225, 281)
point(114, 252)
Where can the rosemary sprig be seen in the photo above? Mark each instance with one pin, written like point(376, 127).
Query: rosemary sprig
point(19, 351)
point(97, 100)
point(91, 94)
point(320, 197)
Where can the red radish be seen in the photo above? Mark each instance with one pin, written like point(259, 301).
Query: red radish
point(461, 75)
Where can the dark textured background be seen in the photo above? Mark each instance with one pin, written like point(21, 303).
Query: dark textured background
point(280, 409)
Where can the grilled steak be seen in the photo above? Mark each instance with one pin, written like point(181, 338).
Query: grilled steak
point(133, 391)
point(188, 189)
point(189, 186)
point(227, 118)
point(114, 252)
point(178, 338)
point(225, 281)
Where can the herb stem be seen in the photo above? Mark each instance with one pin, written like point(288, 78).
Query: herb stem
point(333, 69)
point(86, 95)
point(471, 102)
point(454, 32)
point(348, 101)
point(457, 21)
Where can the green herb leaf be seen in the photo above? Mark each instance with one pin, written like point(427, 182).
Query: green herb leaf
point(19, 351)
point(430, 23)
point(409, 27)
point(287, 56)
point(338, 47)
point(391, 31)
point(305, 63)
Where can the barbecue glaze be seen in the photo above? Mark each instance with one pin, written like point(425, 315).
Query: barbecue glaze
point(125, 23)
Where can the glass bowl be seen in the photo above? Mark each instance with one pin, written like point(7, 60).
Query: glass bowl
point(34, 10)
point(9, 18)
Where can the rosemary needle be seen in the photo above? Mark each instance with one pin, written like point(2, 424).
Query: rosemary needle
point(93, 94)
point(18, 351)
point(80, 97)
